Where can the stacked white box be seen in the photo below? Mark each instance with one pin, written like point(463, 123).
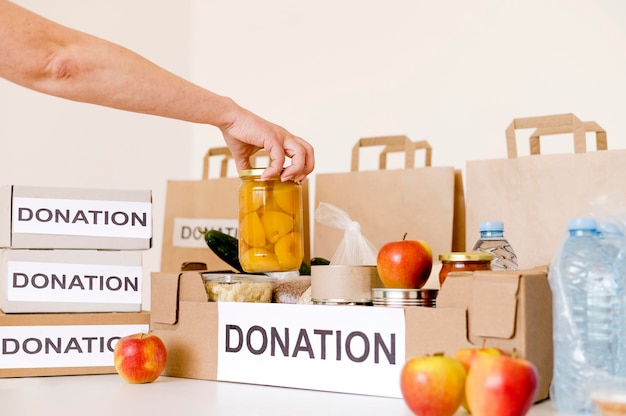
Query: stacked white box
point(36, 281)
point(70, 263)
point(71, 249)
point(71, 218)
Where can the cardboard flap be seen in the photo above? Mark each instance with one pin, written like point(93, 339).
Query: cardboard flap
point(192, 287)
point(456, 291)
point(164, 298)
point(493, 307)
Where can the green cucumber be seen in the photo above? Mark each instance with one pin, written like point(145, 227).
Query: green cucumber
point(225, 246)
point(319, 261)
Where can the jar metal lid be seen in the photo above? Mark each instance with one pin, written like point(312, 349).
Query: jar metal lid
point(466, 256)
point(245, 173)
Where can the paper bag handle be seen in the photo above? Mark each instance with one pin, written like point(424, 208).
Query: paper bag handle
point(216, 151)
point(590, 126)
point(420, 145)
point(567, 122)
point(395, 143)
point(226, 156)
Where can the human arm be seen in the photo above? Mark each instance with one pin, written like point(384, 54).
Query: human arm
point(47, 57)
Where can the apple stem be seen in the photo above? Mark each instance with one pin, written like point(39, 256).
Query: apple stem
point(404, 236)
point(484, 342)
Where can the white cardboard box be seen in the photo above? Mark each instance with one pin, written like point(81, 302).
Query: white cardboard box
point(34, 281)
point(73, 218)
point(63, 344)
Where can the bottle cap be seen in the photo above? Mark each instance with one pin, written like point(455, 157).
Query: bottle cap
point(491, 226)
point(582, 223)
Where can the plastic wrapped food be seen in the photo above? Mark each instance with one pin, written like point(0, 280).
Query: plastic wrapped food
point(291, 289)
point(238, 288)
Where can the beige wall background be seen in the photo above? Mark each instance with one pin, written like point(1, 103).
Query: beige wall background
point(454, 73)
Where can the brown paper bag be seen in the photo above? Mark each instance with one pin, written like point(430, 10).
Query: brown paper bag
point(389, 203)
point(192, 206)
point(535, 195)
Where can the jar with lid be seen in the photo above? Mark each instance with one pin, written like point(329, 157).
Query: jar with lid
point(463, 262)
point(270, 223)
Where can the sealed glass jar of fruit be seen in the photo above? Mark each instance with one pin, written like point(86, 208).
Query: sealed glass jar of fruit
point(270, 223)
point(463, 262)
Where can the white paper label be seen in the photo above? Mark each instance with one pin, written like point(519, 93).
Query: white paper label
point(187, 231)
point(348, 349)
point(61, 346)
point(80, 283)
point(122, 219)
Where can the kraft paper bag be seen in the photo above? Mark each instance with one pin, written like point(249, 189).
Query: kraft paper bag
point(389, 203)
point(193, 206)
point(535, 195)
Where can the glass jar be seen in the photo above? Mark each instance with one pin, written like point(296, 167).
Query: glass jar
point(463, 262)
point(270, 223)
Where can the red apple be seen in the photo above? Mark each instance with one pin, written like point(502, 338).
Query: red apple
point(140, 358)
point(432, 385)
point(404, 264)
point(501, 385)
point(467, 356)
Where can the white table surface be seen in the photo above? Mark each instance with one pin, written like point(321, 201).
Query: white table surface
point(110, 395)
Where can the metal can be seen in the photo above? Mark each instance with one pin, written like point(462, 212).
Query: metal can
point(463, 262)
point(404, 297)
point(270, 223)
point(343, 284)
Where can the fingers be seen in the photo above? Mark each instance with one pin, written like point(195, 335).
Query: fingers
point(242, 163)
point(302, 162)
point(302, 159)
point(279, 143)
point(277, 160)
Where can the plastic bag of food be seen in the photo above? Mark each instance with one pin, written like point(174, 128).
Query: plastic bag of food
point(290, 289)
point(353, 249)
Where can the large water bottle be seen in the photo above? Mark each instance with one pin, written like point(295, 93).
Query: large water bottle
point(619, 312)
point(584, 294)
point(492, 241)
point(614, 243)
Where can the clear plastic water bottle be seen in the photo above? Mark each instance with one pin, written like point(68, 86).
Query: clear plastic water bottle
point(613, 241)
point(584, 291)
point(619, 313)
point(492, 241)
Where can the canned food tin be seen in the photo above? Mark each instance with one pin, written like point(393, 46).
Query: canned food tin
point(270, 223)
point(463, 262)
point(343, 284)
point(404, 297)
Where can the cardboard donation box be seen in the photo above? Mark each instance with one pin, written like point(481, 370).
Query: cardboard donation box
point(387, 203)
point(63, 344)
point(68, 218)
point(349, 349)
point(34, 281)
point(193, 206)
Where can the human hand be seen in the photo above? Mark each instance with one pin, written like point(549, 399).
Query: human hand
point(248, 133)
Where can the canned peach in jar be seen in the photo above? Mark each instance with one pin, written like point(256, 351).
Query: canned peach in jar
point(270, 223)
